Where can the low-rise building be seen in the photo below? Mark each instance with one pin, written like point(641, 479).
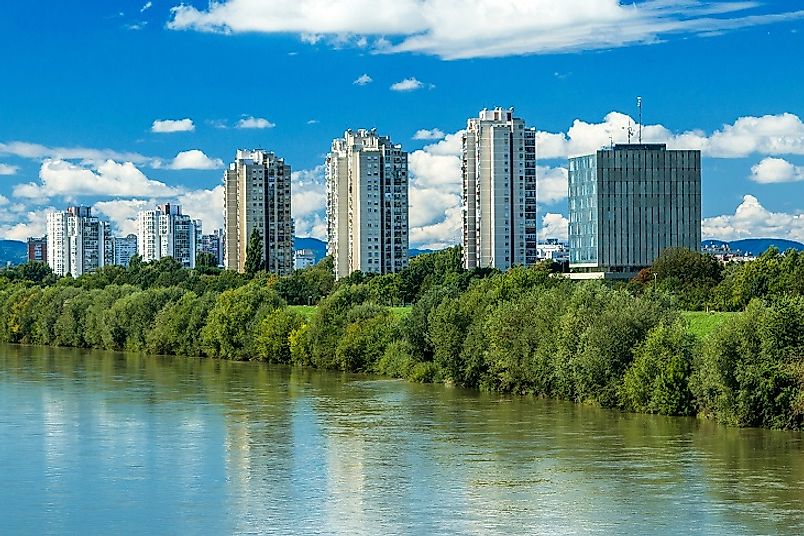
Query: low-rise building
point(303, 258)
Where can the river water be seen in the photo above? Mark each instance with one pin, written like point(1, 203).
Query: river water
point(105, 443)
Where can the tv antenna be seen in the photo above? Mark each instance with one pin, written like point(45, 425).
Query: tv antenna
point(639, 107)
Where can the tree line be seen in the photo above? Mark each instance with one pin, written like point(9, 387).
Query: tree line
point(524, 331)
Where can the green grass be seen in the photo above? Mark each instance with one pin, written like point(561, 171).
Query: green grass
point(701, 324)
point(307, 311)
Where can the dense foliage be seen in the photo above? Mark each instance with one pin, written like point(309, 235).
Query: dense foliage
point(525, 331)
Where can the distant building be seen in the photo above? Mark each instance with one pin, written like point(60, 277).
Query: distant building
point(554, 250)
point(629, 203)
point(303, 258)
point(499, 191)
point(367, 204)
point(75, 241)
point(213, 244)
point(37, 249)
point(123, 248)
point(257, 196)
point(166, 232)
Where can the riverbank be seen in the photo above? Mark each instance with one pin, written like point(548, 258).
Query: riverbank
point(628, 347)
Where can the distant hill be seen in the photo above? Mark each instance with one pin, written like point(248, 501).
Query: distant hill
point(319, 247)
point(757, 246)
point(13, 251)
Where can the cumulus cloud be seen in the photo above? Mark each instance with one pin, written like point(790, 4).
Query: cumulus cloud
point(37, 151)
point(308, 202)
point(122, 213)
point(192, 159)
point(408, 84)
point(254, 122)
point(6, 169)
point(772, 170)
point(363, 80)
point(752, 220)
point(18, 222)
point(426, 134)
point(206, 205)
point(167, 126)
point(554, 226)
point(110, 178)
point(146, 7)
point(551, 184)
point(453, 29)
point(768, 134)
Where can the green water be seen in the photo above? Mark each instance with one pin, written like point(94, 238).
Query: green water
point(102, 443)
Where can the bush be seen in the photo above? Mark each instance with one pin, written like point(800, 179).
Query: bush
point(658, 379)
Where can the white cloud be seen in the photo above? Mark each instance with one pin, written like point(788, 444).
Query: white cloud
point(363, 80)
point(772, 170)
point(769, 134)
point(312, 121)
point(408, 84)
point(146, 7)
point(456, 29)
point(308, 202)
point(254, 122)
point(752, 220)
point(23, 223)
point(122, 213)
point(167, 126)
point(36, 151)
point(61, 178)
point(206, 205)
point(551, 184)
point(436, 219)
point(426, 134)
point(6, 169)
point(192, 159)
point(554, 226)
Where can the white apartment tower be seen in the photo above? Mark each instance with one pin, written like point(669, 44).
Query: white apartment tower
point(499, 191)
point(77, 246)
point(367, 204)
point(166, 232)
point(257, 196)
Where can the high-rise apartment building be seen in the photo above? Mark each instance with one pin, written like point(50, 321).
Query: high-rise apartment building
point(367, 204)
point(37, 249)
point(166, 232)
point(499, 191)
point(257, 196)
point(213, 244)
point(628, 203)
point(123, 248)
point(75, 241)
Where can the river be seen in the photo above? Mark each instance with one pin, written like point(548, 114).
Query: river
point(106, 443)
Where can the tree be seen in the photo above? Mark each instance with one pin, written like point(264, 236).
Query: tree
point(658, 380)
point(206, 262)
point(255, 257)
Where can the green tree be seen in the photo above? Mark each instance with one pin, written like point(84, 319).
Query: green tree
point(658, 379)
point(255, 257)
point(273, 335)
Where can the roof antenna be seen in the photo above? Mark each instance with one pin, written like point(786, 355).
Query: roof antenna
point(639, 107)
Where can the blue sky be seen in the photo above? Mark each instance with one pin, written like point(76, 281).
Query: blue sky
point(85, 86)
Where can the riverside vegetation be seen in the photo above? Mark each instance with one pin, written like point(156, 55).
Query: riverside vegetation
point(526, 331)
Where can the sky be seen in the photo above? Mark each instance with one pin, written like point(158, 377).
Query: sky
point(121, 105)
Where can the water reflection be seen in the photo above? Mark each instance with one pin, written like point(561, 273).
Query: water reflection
point(101, 442)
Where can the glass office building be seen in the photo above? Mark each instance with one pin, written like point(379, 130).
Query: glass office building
point(629, 203)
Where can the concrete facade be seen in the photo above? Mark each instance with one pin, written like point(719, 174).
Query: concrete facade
point(499, 191)
point(257, 188)
point(629, 203)
point(367, 204)
point(76, 241)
